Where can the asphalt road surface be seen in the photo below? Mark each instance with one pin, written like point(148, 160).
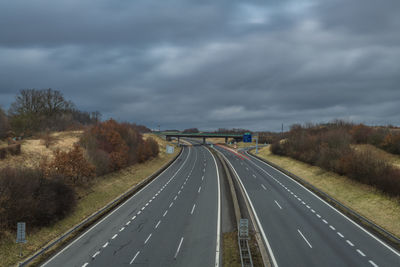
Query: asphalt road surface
point(173, 221)
point(299, 228)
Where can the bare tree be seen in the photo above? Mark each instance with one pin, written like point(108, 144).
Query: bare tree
point(4, 127)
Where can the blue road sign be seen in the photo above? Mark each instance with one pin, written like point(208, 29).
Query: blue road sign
point(247, 138)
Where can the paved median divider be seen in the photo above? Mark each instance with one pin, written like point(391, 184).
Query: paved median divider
point(45, 252)
point(242, 206)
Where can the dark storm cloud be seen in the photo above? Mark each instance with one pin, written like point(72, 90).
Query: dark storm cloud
point(208, 64)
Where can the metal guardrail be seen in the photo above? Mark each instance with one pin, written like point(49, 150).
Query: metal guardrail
point(381, 232)
point(98, 214)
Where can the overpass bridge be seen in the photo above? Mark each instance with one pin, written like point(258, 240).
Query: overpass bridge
point(169, 135)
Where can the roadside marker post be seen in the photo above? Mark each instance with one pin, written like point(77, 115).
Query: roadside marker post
point(21, 235)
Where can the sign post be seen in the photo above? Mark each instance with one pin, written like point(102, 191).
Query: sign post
point(21, 235)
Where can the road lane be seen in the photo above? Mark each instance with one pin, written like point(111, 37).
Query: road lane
point(325, 233)
point(149, 227)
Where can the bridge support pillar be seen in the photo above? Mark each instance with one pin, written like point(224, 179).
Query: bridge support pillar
point(226, 140)
point(204, 140)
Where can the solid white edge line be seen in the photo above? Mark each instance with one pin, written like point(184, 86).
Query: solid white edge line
point(305, 239)
point(217, 249)
point(120, 206)
point(350, 220)
point(256, 216)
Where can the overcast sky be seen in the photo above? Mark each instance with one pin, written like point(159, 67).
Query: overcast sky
point(208, 64)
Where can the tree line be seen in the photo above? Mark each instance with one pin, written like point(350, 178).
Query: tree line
point(330, 146)
point(38, 110)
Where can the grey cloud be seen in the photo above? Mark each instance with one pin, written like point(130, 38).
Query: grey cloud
point(204, 64)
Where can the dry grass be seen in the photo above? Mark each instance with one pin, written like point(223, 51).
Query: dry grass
point(230, 250)
point(393, 159)
point(366, 200)
point(93, 198)
point(33, 149)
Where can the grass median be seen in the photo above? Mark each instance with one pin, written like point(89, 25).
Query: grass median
point(366, 200)
point(90, 200)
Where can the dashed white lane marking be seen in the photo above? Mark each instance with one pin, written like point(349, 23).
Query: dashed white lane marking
point(122, 229)
point(373, 263)
point(143, 207)
point(153, 198)
point(179, 192)
point(360, 252)
point(333, 228)
point(105, 245)
point(340, 234)
point(137, 253)
point(147, 204)
point(263, 187)
point(138, 213)
point(305, 239)
point(313, 211)
point(247, 168)
point(170, 205)
point(303, 203)
point(202, 177)
point(165, 213)
point(199, 190)
point(86, 264)
point(147, 239)
point(114, 236)
point(319, 216)
point(325, 221)
point(194, 206)
point(308, 207)
point(128, 222)
point(134, 217)
point(182, 187)
point(179, 247)
point(254, 176)
point(175, 197)
point(349, 242)
point(276, 202)
point(157, 224)
point(95, 254)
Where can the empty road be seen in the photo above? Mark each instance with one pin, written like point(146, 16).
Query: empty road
point(301, 229)
point(173, 221)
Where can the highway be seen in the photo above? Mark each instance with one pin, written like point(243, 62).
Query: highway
point(299, 228)
point(173, 221)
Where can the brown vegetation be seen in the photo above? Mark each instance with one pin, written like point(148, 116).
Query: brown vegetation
point(14, 149)
point(328, 146)
point(26, 195)
point(112, 146)
point(72, 166)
